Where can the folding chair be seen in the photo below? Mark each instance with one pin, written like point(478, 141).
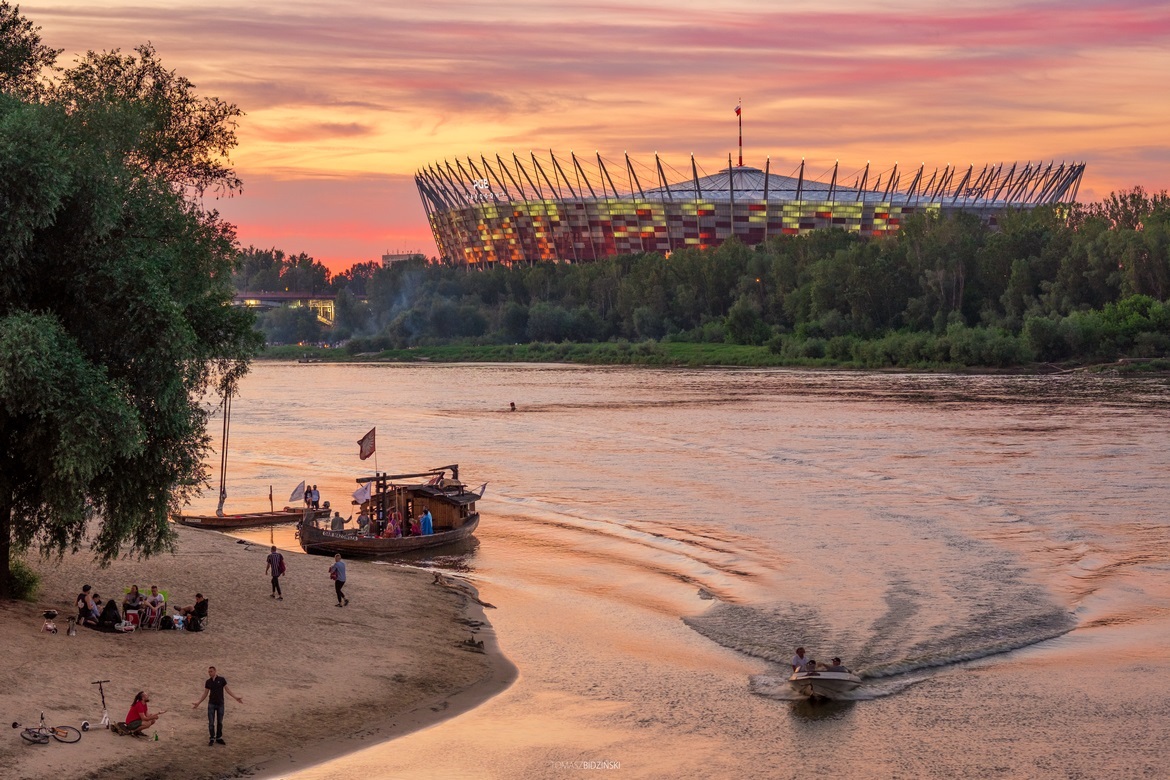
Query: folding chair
point(152, 617)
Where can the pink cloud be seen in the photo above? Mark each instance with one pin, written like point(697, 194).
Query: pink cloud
point(940, 81)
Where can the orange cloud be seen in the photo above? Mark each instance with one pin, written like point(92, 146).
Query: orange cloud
point(366, 93)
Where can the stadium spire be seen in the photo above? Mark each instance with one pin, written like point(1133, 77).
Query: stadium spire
point(739, 116)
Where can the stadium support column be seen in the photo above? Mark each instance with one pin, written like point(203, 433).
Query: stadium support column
point(767, 171)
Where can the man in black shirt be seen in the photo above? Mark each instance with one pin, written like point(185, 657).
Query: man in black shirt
point(215, 685)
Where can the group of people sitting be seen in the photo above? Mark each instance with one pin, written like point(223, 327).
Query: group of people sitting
point(809, 666)
point(148, 611)
point(393, 527)
point(390, 527)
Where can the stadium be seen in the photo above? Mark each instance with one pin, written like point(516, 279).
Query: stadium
point(574, 209)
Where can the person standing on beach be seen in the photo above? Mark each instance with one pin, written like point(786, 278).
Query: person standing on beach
point(337, 574)
point(215, 686)
point(276, 566)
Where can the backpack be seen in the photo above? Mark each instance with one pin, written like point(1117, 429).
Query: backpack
point(110, 616)
point(280, 565)
point(166, 623)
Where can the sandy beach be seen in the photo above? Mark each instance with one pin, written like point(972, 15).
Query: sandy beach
point(316, 680)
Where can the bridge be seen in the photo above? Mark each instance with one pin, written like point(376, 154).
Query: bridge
point(322, 305)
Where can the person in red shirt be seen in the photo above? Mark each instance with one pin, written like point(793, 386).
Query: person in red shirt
point(138, 720)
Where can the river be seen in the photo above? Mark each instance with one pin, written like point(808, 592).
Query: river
point(991, 553)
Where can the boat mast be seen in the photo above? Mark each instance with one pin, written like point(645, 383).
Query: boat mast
point(227, 413)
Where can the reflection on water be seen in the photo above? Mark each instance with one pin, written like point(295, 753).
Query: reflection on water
point(821, 709)
point(657, 542)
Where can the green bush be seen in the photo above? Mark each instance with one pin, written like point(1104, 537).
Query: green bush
point(25, 581)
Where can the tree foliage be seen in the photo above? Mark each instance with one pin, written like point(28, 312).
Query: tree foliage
point(115, 315)
point(943, 290)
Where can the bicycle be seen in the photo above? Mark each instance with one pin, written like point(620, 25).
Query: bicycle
point(39, 735)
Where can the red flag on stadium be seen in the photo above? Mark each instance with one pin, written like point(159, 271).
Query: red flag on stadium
point(366, 445)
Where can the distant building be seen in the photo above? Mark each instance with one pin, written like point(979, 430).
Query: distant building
point(506, 212)
point(398, 257)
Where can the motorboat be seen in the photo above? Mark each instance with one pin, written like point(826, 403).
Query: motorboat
point(820, 684)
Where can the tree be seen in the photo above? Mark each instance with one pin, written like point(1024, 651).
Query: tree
point(115, 315)
point(23, 58)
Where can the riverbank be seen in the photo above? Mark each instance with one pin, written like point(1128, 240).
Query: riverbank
point(316, 681)
point(683, 355)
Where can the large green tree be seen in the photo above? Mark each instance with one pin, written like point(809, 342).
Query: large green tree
point(115, 315)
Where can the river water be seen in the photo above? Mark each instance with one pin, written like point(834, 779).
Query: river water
point(990, 553)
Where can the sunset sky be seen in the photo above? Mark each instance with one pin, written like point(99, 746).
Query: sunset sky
point(344, 100)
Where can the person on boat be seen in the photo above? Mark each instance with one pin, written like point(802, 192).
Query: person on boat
point(811, 669)
point(836, 666)
point(363, 524)
point(338, 522)
point(415, 528)
point(427, 523)
point(394, 530)
point(316, 498)
point(799, 662)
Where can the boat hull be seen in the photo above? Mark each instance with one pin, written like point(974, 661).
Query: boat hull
point(247, 520)
point(316, 541)
point(826, 685)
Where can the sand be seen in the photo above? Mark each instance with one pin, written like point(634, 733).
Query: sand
point(316, 680)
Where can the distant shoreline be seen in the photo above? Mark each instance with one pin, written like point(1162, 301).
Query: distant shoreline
point(679, 355)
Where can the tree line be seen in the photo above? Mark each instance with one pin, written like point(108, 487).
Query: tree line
point(1086, 281)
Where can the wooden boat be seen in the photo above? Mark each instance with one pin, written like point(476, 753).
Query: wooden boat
point(451, 504)
point(249, 519)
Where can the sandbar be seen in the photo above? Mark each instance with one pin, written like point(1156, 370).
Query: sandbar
point(316, 680)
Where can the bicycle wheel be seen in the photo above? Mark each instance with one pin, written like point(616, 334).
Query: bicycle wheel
point(65, 734)
point(35, 736)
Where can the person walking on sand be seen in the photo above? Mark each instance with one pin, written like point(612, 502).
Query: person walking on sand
point(215, 686)
point(337, 574)
point(276, 566)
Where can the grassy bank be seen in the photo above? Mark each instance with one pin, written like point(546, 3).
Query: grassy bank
point(654, 353)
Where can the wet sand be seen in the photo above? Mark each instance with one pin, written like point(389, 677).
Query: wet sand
point(316, 680)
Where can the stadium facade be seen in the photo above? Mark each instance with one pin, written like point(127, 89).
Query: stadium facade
point(577, 210)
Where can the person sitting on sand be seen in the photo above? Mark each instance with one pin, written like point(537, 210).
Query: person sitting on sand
point(87, 610)
point(836, 666)
point(194, 615)
point(133, 600)
point(138, 720)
